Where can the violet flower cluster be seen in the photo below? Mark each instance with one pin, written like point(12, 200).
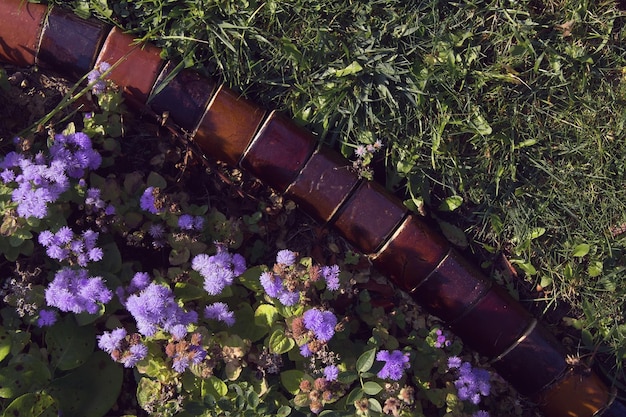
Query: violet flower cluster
point(220, 312)
point(395, 363)
point(65, 245)
point(321, 323)
point(41, 180)
point(95, 78)
point(149, 201)
point(218, 270)
point(471, 382)
point(189, 222)
point(123, 348)
point(285, 281)
point(155, 308)
point(73, 290)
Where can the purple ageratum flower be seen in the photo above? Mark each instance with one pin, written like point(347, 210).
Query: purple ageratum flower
point(472, 383)
point(442, 339)
point(74, 290)
point(272, 284)
point(220, 312)
point(218, 270)
point(75, 153)
point(274, 287)
point(286, 257)
point(185, 222)
point(198, 222)
point(46, 318)
point(156, 231)
point(134, 354)
point(180, 363)
point(110, 341)
point(454, 362)
point(94, 77)
point(155, 308)
point(331, 276)
point(395, 364)
point(331, 373)
point(147, 201)
point(305, 351)
point(321, 323)
point(480, 413)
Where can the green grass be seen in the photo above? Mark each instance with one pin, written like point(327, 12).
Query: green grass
point(515, 106)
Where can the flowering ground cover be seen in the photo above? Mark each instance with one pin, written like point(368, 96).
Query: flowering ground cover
point(138, 279)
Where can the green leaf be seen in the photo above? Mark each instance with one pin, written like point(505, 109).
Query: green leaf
point(291, 380)
point(215, 387)
point(537, 232)
point(581, 250)
point(365, 361)
point(353, 68)
point(24, 373)
point(453, 234)
point(279, 343)
point(375, 405)
point(32, 405)
point(156, 180)
point(91, 389)
point(69, 344)
point(372, 388)
point(355, 394)
point(451, 203)
point(595, 268)
point(266, 315)
point(5, 343)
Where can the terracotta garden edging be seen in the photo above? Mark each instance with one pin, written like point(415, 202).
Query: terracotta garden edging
point(287, 158)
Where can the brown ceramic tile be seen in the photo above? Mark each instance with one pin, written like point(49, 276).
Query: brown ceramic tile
point(535, 362)
point(20, 31)
point(228, 126)
point(135, 66)
point(324, 184)
point(452, 288)
point(411, 253)
point(279, 151)
point(582, 385)
point(493, 324)
point(369, 217)
point(184, 97)
point(69, 45)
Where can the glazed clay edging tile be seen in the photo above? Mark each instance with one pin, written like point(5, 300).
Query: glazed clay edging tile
point(134, 66)
point(228, 126)
point(535, 361)
point(69, 45)
point(591, 395)
point(369, 217)
point(452, 288)
point(493, 324)
point(325, 182)
point(184, 97)
point(411, 253)
point(279, 151)
point(20, 31)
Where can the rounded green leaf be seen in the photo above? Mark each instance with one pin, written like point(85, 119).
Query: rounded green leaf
point(581, 250)
point(451, 203)
point(24, 373)
point(91, 389)
point(365, 361)
point(215, 387)
point(372, 388)
point(5, 343)
point(33, 405)
point(266, 315)
point(279, 343)
point(291, 380)
point(69, 344)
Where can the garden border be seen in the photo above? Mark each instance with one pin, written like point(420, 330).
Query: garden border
point(287, 157)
